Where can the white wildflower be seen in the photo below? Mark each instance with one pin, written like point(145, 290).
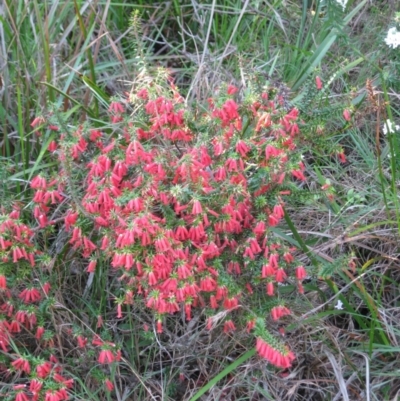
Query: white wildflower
point(393, 38)
point(388, 126)
point(339, 305)
point(342, 3)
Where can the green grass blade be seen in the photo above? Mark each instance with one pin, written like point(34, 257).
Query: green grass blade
point(229, 369)
point(318, 55)
point(73, 100)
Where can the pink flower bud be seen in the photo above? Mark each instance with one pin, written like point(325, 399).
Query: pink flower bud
point(318, 82)
point(346, 114)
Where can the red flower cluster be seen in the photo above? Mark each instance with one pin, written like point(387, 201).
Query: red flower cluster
point(15, 241)
point(57, 391)
point(281, 359)
point(20, 304)
point(182, 206)
point(181, 203)
point(278, 311)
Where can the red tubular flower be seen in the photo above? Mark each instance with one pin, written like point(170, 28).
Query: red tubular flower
point(288, 257)
point(273, 220)
point(274, 260)
point(37, 121)
point(318, 82)
point(39, 332)
point(53, 359)
point(70, 219)
point(34, 387)
point(116, 107)
point(14, 326)
point(94, 135)
point(259, 229)
point(301, 273)
point(7, 308)
point(17, 254)
point(270, 288)
point(22, 364)
point(222, 293)
point(30, 295)
point(109, 385)
point(82, 341)
point(197, 209)
point(271, 151)
point(19, 387)
point(152, 278)
point(3, 282)
point(274, 356)
point(254, 246)
point(208, 284)
point(119, 311)
point(51, 396)
point(91, 266)
point(39, 182)
point(242, 148)
point(231, 109)
point(278, 311)
point(250, 325)
point(4, 244)
point(231, 303)
point(231, 90)
point(188, 311)
point(21, 316)
point(21, 396)
point(299, 175)
point(128, 300)
point(88, 244)
point(249, 288)
point(97, 341)
point(104, 243)
point(184, 271)
point(234, 268)
point(248, 253)
point(143, 94)
point(213, 302)
point(43, 370)
point(347, 114)
point(278, 211)
point(229, 326)
point(267, 271)
point(46, 288)
point(280, 275)
point(106, 356)
point(218, 147)
point(60, 379)
point(31, 320)
point(62, 394)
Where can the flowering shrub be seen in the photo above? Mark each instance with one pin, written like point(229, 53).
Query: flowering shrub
point(21, 312)
point(181, 204)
